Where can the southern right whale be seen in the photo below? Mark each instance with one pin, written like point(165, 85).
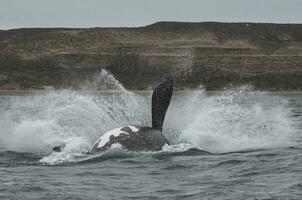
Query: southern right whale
point(140, 138)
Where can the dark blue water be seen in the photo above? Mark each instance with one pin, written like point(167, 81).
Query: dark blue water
point(252, 142)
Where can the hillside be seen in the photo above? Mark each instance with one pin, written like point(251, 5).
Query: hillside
point(268, 56)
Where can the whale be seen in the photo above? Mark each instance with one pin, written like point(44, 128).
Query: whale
point(141, 138)
point(136, 137)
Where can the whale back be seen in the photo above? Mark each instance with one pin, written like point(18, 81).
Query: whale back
point(131, 138)
point(161, 98)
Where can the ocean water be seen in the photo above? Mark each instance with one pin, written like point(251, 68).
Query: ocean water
point(236, 144)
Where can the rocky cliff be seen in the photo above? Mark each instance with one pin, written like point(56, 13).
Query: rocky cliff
point(268, 56)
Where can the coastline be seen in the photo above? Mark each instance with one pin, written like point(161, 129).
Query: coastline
point(145, 92)
point(212, 54)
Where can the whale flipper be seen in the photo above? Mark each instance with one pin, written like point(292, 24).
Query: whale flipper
point(161, 98)
point(58, 148)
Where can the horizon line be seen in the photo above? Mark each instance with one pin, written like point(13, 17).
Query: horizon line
point(150, 24)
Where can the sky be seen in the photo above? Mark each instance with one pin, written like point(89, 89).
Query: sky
point(132, 13)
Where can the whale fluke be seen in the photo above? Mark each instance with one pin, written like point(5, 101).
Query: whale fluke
point(161, 98)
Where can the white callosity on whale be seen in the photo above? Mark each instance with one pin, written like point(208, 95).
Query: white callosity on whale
point(104, 139)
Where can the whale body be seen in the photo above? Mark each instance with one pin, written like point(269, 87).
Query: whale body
point(139, 138)
point(132, 138)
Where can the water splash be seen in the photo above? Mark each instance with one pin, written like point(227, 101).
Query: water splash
point(36, 123)
point(237, 119)
point(233, 120)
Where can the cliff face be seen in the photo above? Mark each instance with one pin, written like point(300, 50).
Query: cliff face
point(268, 56)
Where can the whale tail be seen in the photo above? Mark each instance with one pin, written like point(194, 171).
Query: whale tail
point(161, 98)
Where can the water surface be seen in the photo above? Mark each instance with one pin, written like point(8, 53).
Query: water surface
point(238, 144)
